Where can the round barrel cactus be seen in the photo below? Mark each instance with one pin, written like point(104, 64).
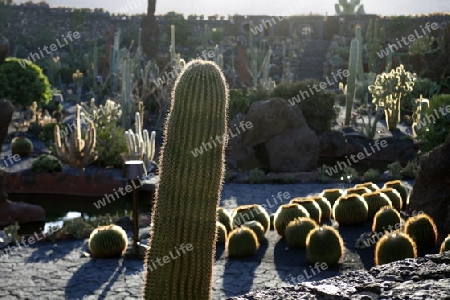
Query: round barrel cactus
point(332, 195)
point(252, 212)
point(242, 242)
point(386, 219)
point(222, 233)
point(394, 246)
point(258, 229)
point(394, 196)
point(422, 229)
point(224, 217)
point(370, 185)
point(350, 210)
point(445, 246)
point(359, 190)
point(375, 201)
point(311, 206)
point(401, 189)
point(286, 213)
point(324, 245)
point(325, 206)
point(22, 146)
point(108, 241)
point(297, 231)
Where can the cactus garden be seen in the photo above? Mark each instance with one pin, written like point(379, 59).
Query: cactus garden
point(156, 150)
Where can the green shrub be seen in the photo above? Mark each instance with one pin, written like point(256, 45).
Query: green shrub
point(23, 82)
point(396, 170)
point(46, 164)
point(439, 130)
point(47, 133)
point(350, 209)
point(411, 169)
point(108, 241)
point(297, 230)
point(239, 103)
point(324, 245)
point(242, 242)
point(422, 229)
point(385, 219)
point(349, 175)
point(111, 143)
point(256, 176)
point(317, 107)
point(394, 246)
point(372, 175)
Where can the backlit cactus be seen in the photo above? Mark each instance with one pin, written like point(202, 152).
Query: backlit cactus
point(401, 189)
point(222, 233)
point(422, 229)
point(21, 146)
point(350, 210)
point(394, 246)
point(394, 196)
point(311, 206)
point(188, 193)
point(370, 185)
point(324, 245)
point(445, 246)
point(258, 229)
point(358, 190)
point(297, 230)
point(108, 241)
point(332, 195)
point(375, 201)
point(285, 214)
point(386, 219)
point(325, 206)
point(224, 217)
point(242, 242)
point(252, 212)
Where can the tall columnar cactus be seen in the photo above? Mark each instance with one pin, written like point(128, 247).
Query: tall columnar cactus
point(4, 49)
point(359, 59)
point(187, 197)
point(351, 79)
point(373, 41)
point(73, 149)
point(349, 7)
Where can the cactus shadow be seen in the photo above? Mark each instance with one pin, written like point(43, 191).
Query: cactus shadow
point(220, 250)
point(285, 257)
point(47, 252)
point(239, 273)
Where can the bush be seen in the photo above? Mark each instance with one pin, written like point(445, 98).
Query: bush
point(46, 164)
point(111, 143)
point(439, 130)
point(23, 82)
point(239, 103)
point(396, 170)
point(256, 176)
point(372, 175)
point(317, 107)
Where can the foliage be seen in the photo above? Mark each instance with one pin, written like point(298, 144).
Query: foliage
point(349, 175)
point(46, 164)
point(394, 246)
point(108, 241)
point(239, 103)
point(256, 175)
point(349, 7)
point(350, 209)
point(12, 232)
point(324, 245)
point(78, 228)
point(23, 82)
point(395, 169)
point(288, 178)
point(317, 107)
point(411, 169)
point(322, 174)
point(439, 130)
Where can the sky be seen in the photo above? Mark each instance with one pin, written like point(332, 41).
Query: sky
point(257, 7)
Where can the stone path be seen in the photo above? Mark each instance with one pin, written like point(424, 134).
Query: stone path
point(59, 270)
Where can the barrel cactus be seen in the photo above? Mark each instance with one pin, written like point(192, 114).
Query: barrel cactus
point(332, 195)
point(188, 193)
point(224, 217)
point(222, 233)
point(21, 146)
point(422, 229)
point(242, 242)
point(285, 214)
point(325, 206)
point(108, 241)
point(370, 185)
point(445, 246)
point(394, 196)
point(324, 245)
point(401, 189)
point(386, 219)
point(258, 229)
point(252, 212)
point(394, 246)
point(358, 190)
point(297, 230)
point(350, 210)
point(311, 206)
point(375, 201)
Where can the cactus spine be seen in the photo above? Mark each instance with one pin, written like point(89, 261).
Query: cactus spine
point(187, 197)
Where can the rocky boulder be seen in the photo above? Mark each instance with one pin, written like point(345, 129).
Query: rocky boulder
point(21, 212)
point(279, 139)
point(431, 190)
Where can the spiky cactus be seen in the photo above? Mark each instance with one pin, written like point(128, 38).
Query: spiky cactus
point(187, 197)
point(75, 150)
point(400, 187)
point(358, 190)
point(325, 206)
point(394, 196)
point(311, 206)
point(369, 185)
point(386, 219)
point(22, 146)
point(375, 201)
point(285, 214)
point(224, 217)
point(258, 229)
point(394, 246)
point(222, 234)
point(332, 195)
point(252, 212)
point(422, 229)
point(242, 242)
point(108, 241)
point(324, 245)
point(297, 230)
point(350, 210)
point(445, 246)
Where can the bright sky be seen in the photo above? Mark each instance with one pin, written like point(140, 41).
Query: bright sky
point(258, 7)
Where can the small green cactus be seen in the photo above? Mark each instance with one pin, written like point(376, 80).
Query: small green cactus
point(108, 241)
point(332, 195)
point(224, 217)
point(285, 214)
point(394, 196)
point(422, 229)
point(222, 233)
point(401, 188)
point(311, 206)
point(258, 229)
point(242, 242)
point(297, 230)
point(445, 246)
point(370, 185)
point(385, 219)
point(324, 245)
point(272, 218)
point(350, 210)
point(394, 246)
point(252, 212)
point(325, 206)
point(375, 201)
point(22, 146)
